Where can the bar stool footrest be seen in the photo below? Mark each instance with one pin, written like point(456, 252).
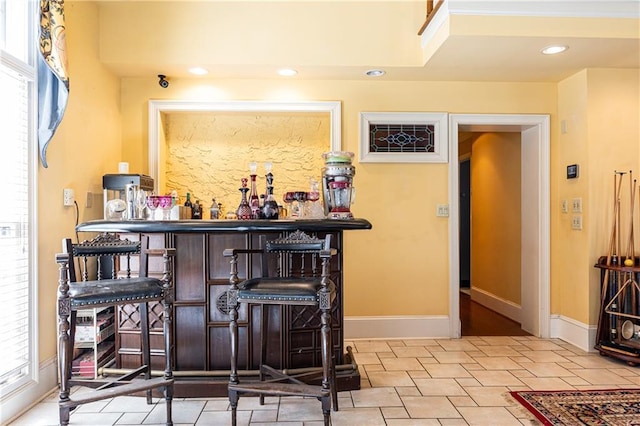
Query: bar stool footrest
point(280, 389)
point(117, 390)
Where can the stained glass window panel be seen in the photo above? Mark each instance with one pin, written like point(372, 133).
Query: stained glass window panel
point(409, 138)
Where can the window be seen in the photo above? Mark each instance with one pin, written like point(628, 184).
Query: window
point(18, 171)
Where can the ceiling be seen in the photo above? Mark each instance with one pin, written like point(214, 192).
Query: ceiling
point(465, 40)
point(502, 40)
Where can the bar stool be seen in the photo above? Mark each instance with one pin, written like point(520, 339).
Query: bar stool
point(110, 290)
point(296, 281)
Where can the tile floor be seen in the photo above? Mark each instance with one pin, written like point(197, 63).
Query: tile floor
point(404, 382)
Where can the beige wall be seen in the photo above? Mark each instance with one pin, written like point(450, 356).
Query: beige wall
point(495, 215)
point(601, 110)
point(400, 267)
point(85, 146)
point(407, 239)
point(613, 114)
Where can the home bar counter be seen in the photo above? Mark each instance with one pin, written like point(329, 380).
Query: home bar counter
point(201, 321)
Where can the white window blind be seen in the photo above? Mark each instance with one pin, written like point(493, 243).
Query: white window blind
point(17, 216)
point(14, 229)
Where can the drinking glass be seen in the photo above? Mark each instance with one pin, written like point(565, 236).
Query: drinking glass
point(141, 202)
point(166, 204)
point(301, 197)
point(289, 198)
point(153, 202)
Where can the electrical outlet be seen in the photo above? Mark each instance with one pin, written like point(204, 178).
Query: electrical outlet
point(442, 210)
point(68, 197)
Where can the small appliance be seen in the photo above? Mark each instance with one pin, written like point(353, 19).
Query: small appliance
point(337, 184)
point(123, 187)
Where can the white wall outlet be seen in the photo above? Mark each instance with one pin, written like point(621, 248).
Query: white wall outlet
point(576, 222)
point(68, 197)
point(442, 210)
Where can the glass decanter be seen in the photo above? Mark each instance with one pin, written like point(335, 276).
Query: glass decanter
point(268, 166)
point(244, 211)
point(254, 200)
point(270, 208)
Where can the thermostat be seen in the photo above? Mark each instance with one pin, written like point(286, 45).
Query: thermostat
point(572, 171)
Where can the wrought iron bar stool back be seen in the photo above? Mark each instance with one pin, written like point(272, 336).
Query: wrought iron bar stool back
point(297, 281)
point(110, 290)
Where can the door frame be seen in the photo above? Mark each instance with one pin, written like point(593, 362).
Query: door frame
point(535, 252)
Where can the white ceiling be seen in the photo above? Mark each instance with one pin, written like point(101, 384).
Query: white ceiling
point(599, 34)
point(465, 41)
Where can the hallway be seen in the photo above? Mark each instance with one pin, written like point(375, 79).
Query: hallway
point(480, 321)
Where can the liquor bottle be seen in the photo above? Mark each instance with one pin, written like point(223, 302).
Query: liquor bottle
point(270, 208)
point(214, 210)
point(189, 206)
point(254, 200)
point(196, 210)
point(268, 166)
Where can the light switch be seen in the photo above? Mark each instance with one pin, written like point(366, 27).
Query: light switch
point(565, 206)
point(576, 205)
point(576, 222)
point(442, 210)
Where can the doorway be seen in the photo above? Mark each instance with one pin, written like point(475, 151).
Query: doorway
point(534, 131)
point(490, 233)
point(465, 223)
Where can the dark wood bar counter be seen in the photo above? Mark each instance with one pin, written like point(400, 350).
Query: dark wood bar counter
point(201, 281)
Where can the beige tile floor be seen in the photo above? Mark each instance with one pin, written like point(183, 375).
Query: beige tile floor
point(404, 382)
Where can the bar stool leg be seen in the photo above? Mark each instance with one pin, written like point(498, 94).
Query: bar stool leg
point(264, 330)
point(65, 350)
point(167, 326)
point(143, 309)
point(325, 331)
point(233, 400)
point(232, 303)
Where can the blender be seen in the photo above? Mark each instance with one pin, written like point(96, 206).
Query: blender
point(337, 184)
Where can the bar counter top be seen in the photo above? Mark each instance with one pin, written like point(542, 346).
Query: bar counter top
point(223, 225)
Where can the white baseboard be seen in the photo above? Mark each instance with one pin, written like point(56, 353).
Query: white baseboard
point(502, 306)
point(581, 335)
point(24, 398)
point(394, 327)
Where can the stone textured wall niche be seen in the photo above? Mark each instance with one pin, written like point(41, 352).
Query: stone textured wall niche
point(207, 153)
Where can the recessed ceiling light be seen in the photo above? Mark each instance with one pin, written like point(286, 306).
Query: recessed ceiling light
point(287, 72)
point(198, 71)
point(553, 49)
point(375, 73)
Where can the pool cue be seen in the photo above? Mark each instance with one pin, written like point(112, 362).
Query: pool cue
point(617, 184)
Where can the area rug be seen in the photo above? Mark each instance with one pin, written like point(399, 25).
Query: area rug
point(592, 407)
